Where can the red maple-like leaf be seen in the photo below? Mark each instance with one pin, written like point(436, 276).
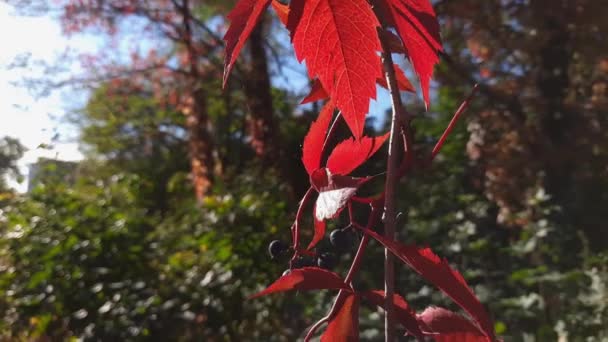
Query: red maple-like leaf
point(243, 18)
point(334, 192)
point(319, 230)
point(339, 42)
point(344, 326)
point(315, 139)
point(394, 43)
point(447, 326)
point(351, 153)
point(406, 316)
point(317, 92)
point(418, 28)
point(439, 273)
point(307, 278)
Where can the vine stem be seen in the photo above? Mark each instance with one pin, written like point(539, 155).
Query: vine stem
point(295, 228)
point(448, 130)
point(354, 268)
point(392, 177)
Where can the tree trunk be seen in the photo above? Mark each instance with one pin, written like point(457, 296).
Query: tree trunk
point(261, 125)
point(200, 145)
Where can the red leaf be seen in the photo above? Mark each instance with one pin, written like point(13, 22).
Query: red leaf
point(344, 326)
point(317, 92)
point(351, 153)
point(319, 231)
point(417, 25)
point(334, 192)
point(404, 313)
point(447, 326)
point(315, 139)
point(402, 82)
point(243, 19)
point(394, 43)
point(307, 278)
point(281, 10)
point(339, 41)
point(440, 274)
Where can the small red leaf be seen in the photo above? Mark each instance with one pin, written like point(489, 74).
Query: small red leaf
point(402, 82)
point(351, 153)
point(406, 316)
point(315, 139)
point(281, 10)
point(394, 43)
point(339, 42)
point(417, 25)
point(440, 274)
point(317, 93)
point(243, 19)
point(302, 279)
point(447, 326)
point(344, 326)
point(334, 192)
point(319, 230)
point(320, 179)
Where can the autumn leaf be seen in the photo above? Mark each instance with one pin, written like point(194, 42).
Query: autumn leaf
point(447, 326)
point(418, 28)
point(315, 139)
point(351, 153)
point(405, 315)
point(339, 42)
point(344, 326)
point(317, 93)
point(438, 272)
point(394, 43)
point(243, 19)
point(307, 278)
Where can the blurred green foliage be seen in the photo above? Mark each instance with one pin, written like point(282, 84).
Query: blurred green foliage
point(86, 260)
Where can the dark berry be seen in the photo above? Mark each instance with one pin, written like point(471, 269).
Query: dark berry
point(276, 248)
point(340, 239)
point(303, 261)
point(326, 261)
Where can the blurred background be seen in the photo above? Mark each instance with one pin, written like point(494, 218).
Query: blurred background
point(137, 198)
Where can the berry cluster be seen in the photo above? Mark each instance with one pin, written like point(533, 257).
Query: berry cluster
point(341, 240)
